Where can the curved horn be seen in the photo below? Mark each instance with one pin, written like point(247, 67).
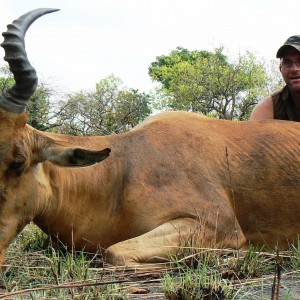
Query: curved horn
point(15, 99)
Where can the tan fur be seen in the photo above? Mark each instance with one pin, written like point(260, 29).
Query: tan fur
point(177, 176)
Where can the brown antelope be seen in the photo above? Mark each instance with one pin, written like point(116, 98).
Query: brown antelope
point(175, 177)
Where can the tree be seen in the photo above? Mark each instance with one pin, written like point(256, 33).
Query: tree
point(164, 68)
point(209, 83)
point(110, 108)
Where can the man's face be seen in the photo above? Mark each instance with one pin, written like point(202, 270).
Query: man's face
point(290, 69)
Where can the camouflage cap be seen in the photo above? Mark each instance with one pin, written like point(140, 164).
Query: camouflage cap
point(293, 41)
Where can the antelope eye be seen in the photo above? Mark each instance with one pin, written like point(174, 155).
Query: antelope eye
point(16, 167)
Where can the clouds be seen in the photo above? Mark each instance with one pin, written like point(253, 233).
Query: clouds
point(88, 40)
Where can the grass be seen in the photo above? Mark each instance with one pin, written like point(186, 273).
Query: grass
point(51, 274)
point(213, 274)
point(35, 272)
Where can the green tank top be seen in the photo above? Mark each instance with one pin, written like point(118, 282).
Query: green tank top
point(284, 107)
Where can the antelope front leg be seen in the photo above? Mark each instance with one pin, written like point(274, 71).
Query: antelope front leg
point(158, 244)
point(153, 246)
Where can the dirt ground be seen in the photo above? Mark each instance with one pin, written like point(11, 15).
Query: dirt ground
point(152, 290)
point(289, 290)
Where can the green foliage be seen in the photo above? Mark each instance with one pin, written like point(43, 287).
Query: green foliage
point(32, 239)
point(209, 83)
point(6, 78)
point(110, 108)
point(164, 68)
point(41, 111)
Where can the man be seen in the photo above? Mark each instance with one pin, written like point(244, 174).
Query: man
point(284, 104)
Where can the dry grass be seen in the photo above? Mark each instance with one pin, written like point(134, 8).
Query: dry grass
point(33, 273)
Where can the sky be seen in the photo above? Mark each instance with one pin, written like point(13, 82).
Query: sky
point(88, 40)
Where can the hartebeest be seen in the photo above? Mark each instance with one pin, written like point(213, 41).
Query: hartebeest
point(175, 177)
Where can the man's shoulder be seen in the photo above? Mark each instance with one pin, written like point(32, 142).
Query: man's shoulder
point(263, 109)
point(282, 91)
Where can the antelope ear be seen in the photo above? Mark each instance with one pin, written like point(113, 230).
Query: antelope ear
point(74, 157)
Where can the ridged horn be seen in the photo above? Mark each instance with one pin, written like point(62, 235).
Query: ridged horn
point(15, 99)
